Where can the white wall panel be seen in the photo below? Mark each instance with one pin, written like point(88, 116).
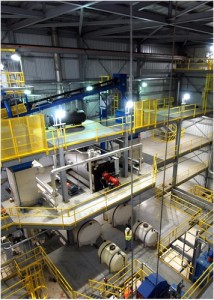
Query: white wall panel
point(107, 45)
point(70, 68)
point(156, 49)
point(164, 67)
point(39, 69)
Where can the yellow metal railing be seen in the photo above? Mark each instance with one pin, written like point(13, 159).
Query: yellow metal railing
point(159, 134)
point(30, 265)
point(166, 253)
point(208, 87)
point(26, 135)
point(60, 278)
point(73, 215)
point(13, 79)
point(206, 227)
point(194, 64)
point(187, 146)
point(117, 284)
point(165, 102)
point(199, 286)
point(16, 110)
point(15, 290)
point(202, 193)
point(199, 167)
point(22, 136)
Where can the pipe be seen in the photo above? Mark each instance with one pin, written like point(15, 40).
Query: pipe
point(60, 169)
point(46, 187)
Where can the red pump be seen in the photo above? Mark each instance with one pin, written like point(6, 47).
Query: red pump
point(111, 181)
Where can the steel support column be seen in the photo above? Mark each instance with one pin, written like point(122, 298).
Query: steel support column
point(63, 177)
point(70, 237)
point(177, 148)
point(125, 155)
point(57, 61)
point(178, 100)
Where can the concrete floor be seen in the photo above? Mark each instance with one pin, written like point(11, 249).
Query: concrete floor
point(157, 147)
point(80, 264)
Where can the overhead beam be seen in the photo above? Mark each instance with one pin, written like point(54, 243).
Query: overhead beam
point(92, 52)
point(51, 13)
point(191, 7)
point(20, 11)
point(121, 10)
point(196, 28)
point(161, 36)
point(126, 28)
point(202, 16)
point(86, 23)
point(81, 21)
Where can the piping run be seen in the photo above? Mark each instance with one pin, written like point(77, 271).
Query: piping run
point(54, 172)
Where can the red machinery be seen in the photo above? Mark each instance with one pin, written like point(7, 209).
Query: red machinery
point(110, 180)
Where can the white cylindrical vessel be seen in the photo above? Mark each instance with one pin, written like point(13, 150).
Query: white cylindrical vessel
point(119, 215)
point(110, 254)
point(146, 233)
point(87, 233)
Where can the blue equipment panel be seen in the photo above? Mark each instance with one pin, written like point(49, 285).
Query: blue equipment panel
point(154, 286)
point(202, 264)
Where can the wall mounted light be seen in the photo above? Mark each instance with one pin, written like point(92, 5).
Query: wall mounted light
point(186, 96)
point(15, 57)
point(144, 84)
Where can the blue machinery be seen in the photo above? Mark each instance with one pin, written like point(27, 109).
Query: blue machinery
point(117, 82)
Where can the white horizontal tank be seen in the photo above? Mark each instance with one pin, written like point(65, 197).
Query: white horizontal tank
point(87, 233)
point(146, 233)
point(119, 215)
point(110, 254)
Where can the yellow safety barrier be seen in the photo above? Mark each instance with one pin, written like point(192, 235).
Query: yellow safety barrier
point(202, 193)
point(194, 64)
point(26, 135)
point(187, 146)
point(165, 102)
point(13, 79)
point(187, 174)
point(166, 253)
point(64, 217)
point(30, 265)
point(132, 274)
point(200, 285)
point(16, 110)
point(22, 136)
point(206, 227)
point(168, 135)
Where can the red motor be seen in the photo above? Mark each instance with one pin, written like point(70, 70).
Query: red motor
point(110, 180)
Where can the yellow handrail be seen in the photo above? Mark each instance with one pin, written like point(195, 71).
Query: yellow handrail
point(195, 64)
point(72, 215)
point(201, 283)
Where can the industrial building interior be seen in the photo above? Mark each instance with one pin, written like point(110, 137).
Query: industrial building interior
point(107, 127)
